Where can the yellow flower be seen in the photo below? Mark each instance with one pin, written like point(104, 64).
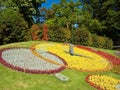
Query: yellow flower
point(105, 82)
point(89, 61)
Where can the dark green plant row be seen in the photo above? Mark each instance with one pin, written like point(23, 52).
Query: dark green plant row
point(79, 37)
point(75, 36)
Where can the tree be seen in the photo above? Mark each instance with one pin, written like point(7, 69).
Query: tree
point(13, 27)
point(30, 8)
point(65, 13)
point(1, 5)
point(108, 13)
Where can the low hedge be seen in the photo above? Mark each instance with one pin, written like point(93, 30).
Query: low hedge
point(101, 42)
point(81, 37)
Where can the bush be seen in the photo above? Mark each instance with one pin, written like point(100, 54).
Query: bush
point(98, 41)
point(82, 37)
point(35, 32)
point(101, 42)
point(108, 43)
point(13, 27)
point(59, 34)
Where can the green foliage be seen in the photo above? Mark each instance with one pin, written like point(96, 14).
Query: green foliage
point(108, 43)
point(81, 37)
point(59, 34)
point(13, 27)
point(29, 8)
point(95, 26)
point(101, 42)
point(98, 41)
point(86, 21)
point(108, 14)
point(50, 22)
point(65, 13)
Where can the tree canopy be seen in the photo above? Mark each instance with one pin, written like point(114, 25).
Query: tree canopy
point(29, 8)
point(87, 18)
point(108, 13)
point(13, 27)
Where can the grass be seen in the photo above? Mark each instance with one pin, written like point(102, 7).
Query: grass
point(15, 80)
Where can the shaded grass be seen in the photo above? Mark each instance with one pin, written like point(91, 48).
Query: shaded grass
point(15, 80)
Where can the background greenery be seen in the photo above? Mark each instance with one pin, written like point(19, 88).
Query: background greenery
point(98, 21)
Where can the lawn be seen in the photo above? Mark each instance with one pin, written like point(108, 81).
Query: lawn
point(16, 80)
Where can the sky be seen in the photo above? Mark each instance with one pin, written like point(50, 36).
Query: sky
point(49, 3)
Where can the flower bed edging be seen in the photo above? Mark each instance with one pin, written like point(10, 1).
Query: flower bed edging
point(114, 60)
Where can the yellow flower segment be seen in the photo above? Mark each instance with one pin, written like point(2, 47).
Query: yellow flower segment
point(104, 82)
point(91, 61)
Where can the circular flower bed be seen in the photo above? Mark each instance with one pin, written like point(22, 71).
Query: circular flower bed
point(103, 82)
point(22, 59)
point(90, 62)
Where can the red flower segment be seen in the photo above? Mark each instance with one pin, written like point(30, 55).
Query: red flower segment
point(114, 60)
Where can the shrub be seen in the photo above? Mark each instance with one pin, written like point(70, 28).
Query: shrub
point(45, 32)
point(98, 41)
point(108, 43)
point(13, 27)
point(59, 34)
point(101, 42)
point(35, 32)
point(82, 37)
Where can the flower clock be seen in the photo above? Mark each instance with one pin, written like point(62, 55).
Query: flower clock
point(53, 57)
point(49, 58)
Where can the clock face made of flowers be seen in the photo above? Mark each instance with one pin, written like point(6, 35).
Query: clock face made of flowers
point(54, 57)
